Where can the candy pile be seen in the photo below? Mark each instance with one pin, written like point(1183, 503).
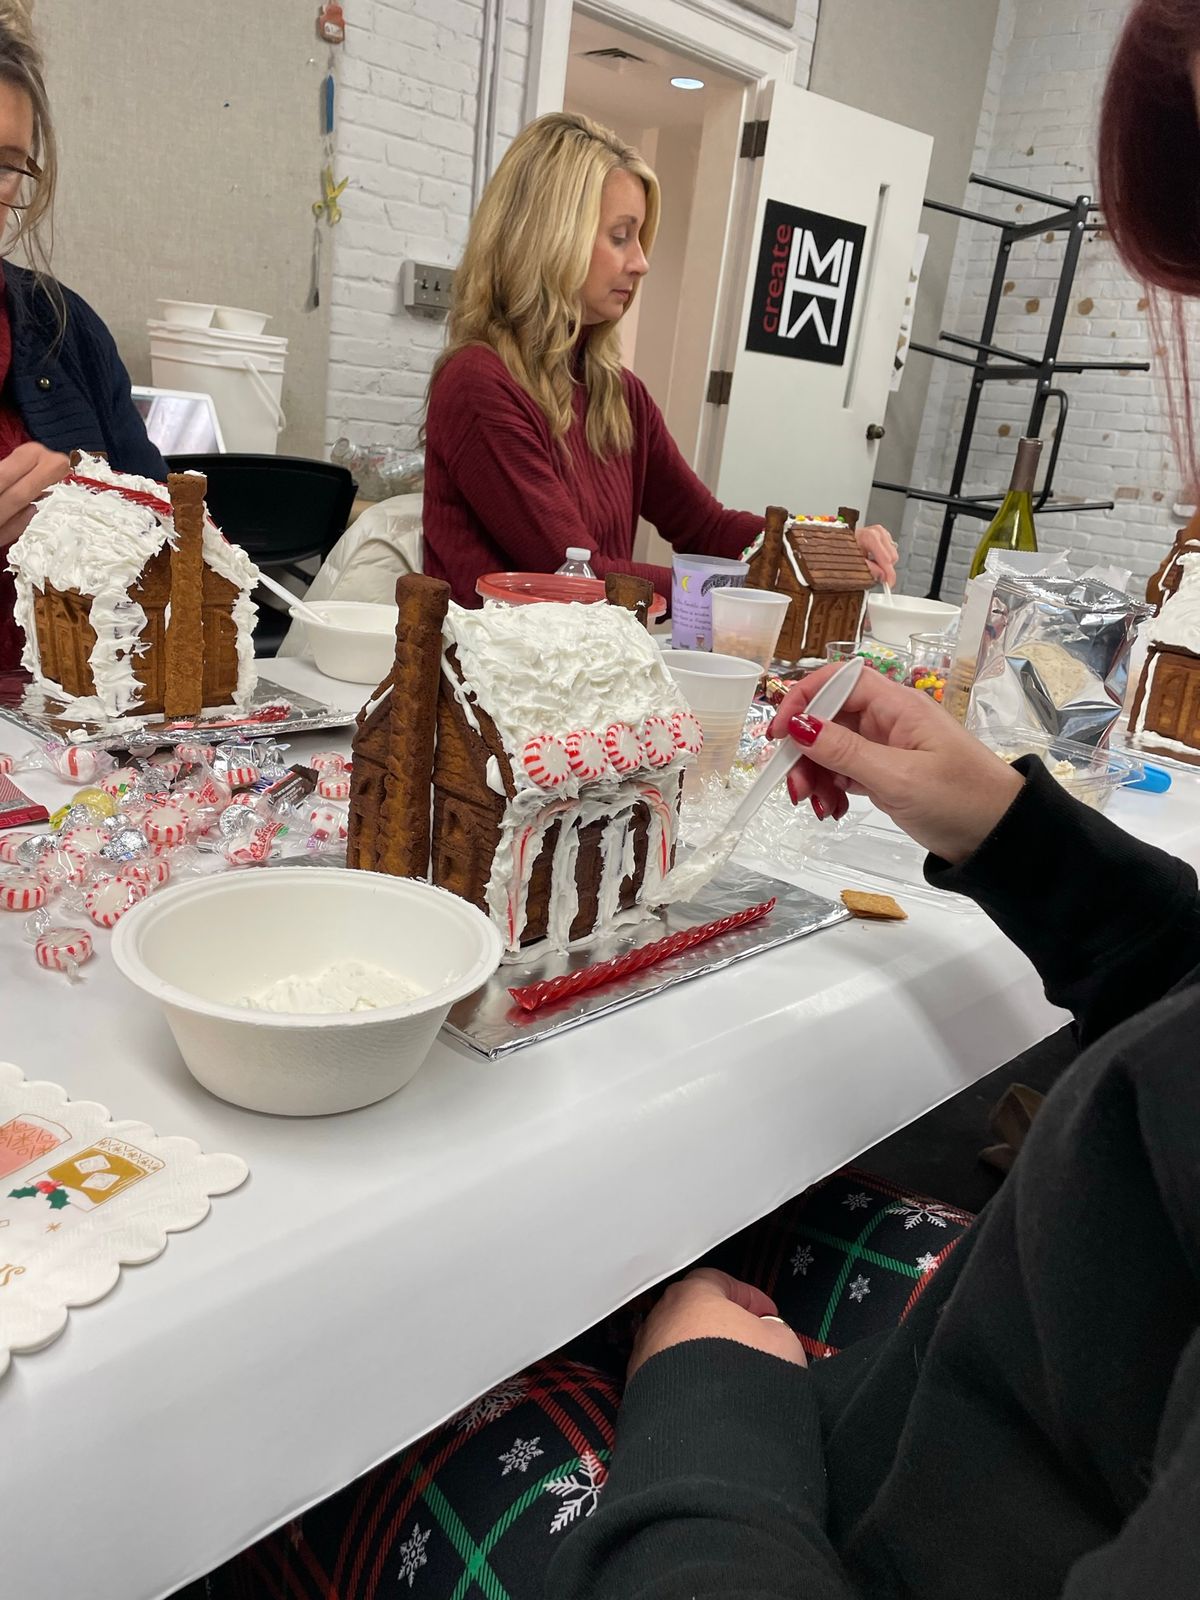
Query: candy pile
point(928, 680)
point(191, 810)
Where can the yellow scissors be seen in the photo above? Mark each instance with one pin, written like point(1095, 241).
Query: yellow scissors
point(328, 207)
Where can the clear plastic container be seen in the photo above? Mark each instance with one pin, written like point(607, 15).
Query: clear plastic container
point(1089, 774)
point(577, 564)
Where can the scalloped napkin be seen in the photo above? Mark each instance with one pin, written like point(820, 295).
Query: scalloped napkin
point(81, 1196)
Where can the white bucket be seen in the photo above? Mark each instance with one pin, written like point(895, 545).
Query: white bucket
point(242, 372)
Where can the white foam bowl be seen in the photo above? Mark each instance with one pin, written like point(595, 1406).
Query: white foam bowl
point(894, 622)
point(234, 320)
point(356, 641)
point(198, 948)
point(187, 313)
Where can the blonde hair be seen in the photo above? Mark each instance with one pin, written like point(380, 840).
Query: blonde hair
point(21, 65)
point(518, 288)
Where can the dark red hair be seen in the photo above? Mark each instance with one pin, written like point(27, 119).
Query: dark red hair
point(1149, 160)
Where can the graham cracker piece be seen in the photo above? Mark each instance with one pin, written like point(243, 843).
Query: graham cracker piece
point(765, 563)
point(183, 694)
point(873, 907)
point(631, 593)
point(404, 824)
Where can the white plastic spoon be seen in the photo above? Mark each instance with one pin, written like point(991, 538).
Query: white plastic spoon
point(686, 880)
point(294, 605)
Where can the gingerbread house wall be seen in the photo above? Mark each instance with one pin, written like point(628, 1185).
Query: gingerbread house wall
point(370, 748)
point(1170, 687)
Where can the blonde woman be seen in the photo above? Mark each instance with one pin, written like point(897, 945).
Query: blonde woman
point(62, 384)
point(536, 437)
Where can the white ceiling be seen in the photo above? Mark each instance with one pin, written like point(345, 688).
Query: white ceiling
point(636, 94)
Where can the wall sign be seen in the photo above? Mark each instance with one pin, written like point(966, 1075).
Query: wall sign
point(804, 288)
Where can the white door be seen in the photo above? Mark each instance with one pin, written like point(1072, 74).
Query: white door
point(810, 326)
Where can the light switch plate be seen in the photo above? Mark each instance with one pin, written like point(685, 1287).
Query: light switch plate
point(425, 288)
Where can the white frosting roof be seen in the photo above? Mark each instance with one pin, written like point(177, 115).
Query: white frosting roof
point(83, 539)
point(1178, 622)
point(551, 668)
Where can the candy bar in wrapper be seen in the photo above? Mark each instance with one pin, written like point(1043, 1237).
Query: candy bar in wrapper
point(17, 810)
point(1054, 657)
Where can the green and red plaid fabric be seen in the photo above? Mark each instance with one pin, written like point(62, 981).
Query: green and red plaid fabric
point(476, 1510)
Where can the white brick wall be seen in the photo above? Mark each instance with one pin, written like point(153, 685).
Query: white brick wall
point(1038, 130)
point(408, 83)
point(407, 94)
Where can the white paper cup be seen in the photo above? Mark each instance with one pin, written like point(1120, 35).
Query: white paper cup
point(747, 623)
point(719, 690)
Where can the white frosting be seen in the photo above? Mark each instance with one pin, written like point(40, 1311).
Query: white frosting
point(341, 986)
point(794, 563)
point(99, 544)
point(1177, 624)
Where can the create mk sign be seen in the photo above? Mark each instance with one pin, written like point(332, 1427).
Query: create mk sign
point(804, 287)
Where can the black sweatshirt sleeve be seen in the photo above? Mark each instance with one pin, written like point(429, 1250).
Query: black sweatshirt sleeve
point(1111, 924)
point(717, 1488)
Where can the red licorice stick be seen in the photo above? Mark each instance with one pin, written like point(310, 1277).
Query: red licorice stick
point(533, 996)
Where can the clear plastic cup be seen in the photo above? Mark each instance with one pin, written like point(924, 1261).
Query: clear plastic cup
point(747, 623)
point(892, 663)
point(719, 690)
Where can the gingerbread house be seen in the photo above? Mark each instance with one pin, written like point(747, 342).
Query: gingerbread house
point(817, 563)
point(528, 758)
point(130, 598)
point(1165, 717)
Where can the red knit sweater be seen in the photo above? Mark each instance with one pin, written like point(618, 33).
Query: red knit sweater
point(500, 495)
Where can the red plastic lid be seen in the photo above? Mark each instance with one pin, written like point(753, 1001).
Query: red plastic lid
point(526, 588)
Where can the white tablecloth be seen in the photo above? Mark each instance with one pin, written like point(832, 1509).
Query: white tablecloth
point(382, 1268)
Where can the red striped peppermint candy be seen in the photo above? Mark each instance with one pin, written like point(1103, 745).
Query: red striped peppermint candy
point(66, 864)
point(688, 734)
point(623, 747)
point(546, 761)
point(334, 785)
point(23, 893)
point(10, 843)
point(63, 949)
point(85, 837)
point(73, 761)
point(585, 752)
point(257, 848)
point(153, 871)
point(658, 742)
point(166, 824)
point(241, 777)
point(109, 900)
point(326, 760)
point(7, 763)
point(194, 754)
point(167, 762)
point(327, 823)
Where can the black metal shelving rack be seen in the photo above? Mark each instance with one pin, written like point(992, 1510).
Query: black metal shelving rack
point(991, 362)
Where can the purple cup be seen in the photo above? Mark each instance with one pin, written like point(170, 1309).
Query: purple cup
point(693, 579)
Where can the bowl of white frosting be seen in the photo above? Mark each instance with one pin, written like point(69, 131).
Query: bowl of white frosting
point(355, 641)
point(304, 990)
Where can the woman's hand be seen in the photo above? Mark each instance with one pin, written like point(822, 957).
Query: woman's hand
point(908, 756)
point(877, 544)
point(708, 1304)
point(24, 475)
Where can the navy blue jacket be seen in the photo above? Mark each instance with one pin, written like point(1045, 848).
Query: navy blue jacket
point(73, 390)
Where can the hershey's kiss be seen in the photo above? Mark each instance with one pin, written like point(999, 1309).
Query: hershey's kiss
point(30, 851)
point(237, 820)
point(125, 844)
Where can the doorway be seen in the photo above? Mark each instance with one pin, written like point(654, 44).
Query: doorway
point(691, 137)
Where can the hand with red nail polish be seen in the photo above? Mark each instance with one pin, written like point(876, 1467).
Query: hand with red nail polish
point(906, 754)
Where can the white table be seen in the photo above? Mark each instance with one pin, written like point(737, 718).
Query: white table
point(382, 1268)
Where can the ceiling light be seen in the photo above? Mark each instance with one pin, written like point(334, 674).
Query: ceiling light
point(687, 83)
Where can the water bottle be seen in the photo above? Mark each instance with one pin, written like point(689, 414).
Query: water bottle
point(577, 564)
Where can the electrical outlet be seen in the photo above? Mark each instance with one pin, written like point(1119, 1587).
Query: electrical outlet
point(425, 289)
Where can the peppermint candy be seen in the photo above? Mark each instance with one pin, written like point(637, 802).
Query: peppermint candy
point(546, 761)
point(153, 872)
point(66, 864)
point(119, 783)
point(166, 825)
point(687, 732)
point(257, 848)
point(63, 949)
point(22, 893)
point(73, 761)
point(10, 844)
point(7, 763)
point(586, 754)
point(195, 754)
point(334, 785)
point(107, 901)
point(327, 823)
point(326, 760)
point(85, 836)
point(243, 776)
point(167, 762)
point(623, 747)
point(658, 741)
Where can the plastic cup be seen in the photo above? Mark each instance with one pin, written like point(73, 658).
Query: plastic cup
point(719, 690)
point(892, 663)
point(693, 579)
point(748, 622)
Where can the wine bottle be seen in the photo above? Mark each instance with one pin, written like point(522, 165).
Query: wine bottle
point(1012, 527)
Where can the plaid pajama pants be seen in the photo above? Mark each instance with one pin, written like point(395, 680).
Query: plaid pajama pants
point(476, 1510)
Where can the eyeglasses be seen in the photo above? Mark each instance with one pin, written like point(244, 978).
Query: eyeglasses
point(11, 181)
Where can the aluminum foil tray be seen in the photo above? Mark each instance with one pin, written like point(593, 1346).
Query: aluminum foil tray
point(490, 1023)
point(264, 718)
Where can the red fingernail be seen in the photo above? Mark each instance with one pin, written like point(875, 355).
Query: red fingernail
point(805, 729)
point(840, 809)
point(819, 806)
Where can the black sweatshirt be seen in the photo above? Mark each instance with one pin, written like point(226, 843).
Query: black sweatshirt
point(1033, 1429)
